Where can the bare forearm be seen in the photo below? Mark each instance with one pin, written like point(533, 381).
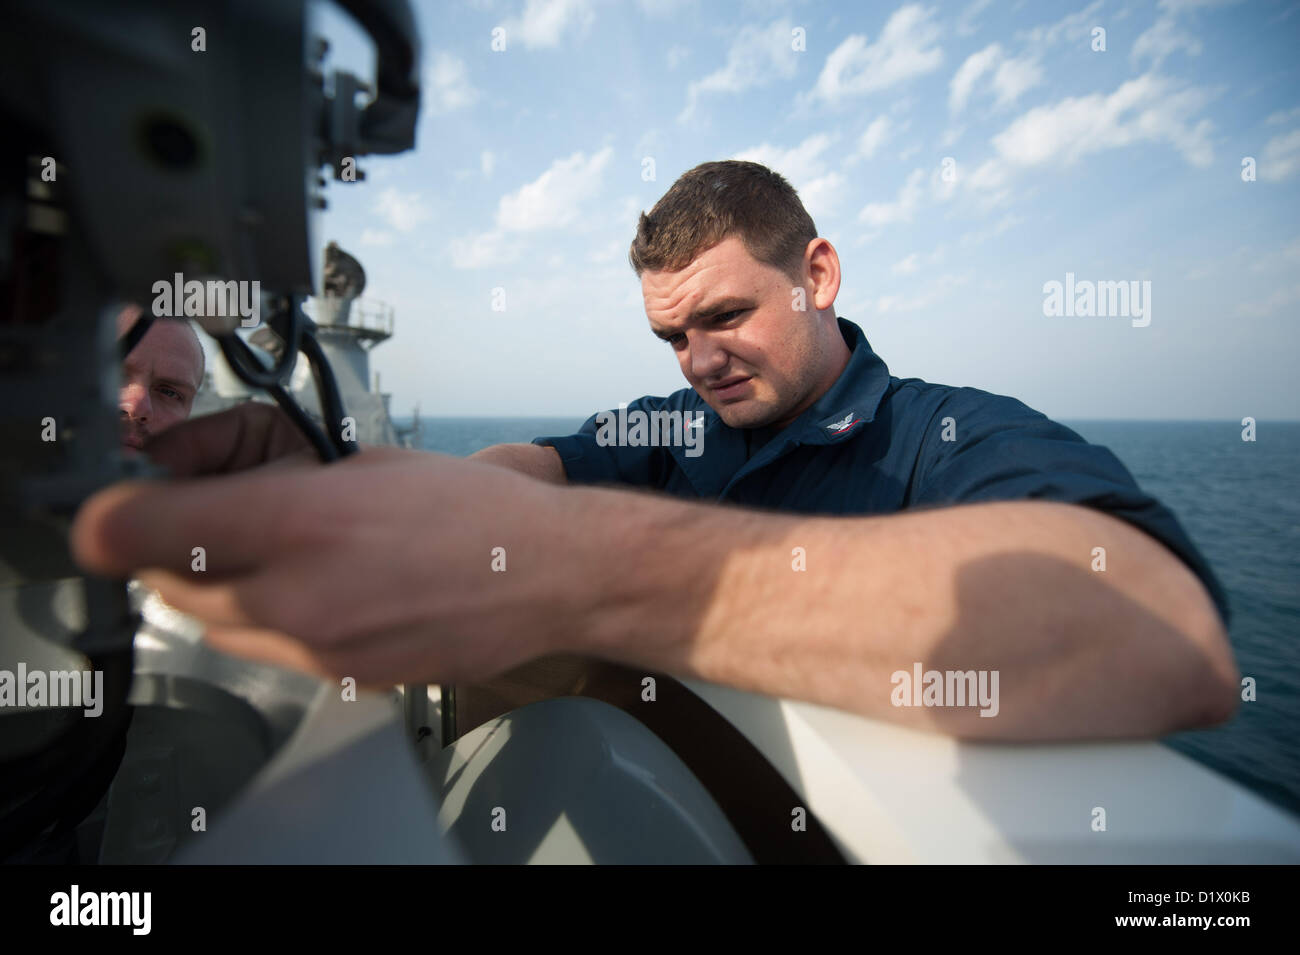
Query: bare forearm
point(715, 593)
point(536, 461)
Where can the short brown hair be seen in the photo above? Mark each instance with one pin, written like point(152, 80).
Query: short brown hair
point(720, 199)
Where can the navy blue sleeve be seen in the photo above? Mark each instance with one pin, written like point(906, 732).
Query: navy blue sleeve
point(1004, 450)
point(589, 457)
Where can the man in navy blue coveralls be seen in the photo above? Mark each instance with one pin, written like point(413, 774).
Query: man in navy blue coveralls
point(789, 422)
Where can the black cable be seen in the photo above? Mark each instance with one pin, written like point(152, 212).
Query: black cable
point(327, 389)
point(297, 331)
point(324, 447)
point(244, 363)
point(139, 329)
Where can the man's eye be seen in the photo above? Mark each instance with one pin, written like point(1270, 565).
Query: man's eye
point(172, 393)
point(676, 340)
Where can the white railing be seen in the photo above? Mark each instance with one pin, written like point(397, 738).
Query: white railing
point(366, 314)
point(371, 315)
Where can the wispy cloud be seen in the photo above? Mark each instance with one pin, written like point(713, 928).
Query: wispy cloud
point(554, 198)
point(873, 137)
point(756, 57)
point(543, 23)
point(403, 211)
point(1170, 33)
point(935, 291)
point(963, 81)
point(447, 87)
point(1281, 157)
point(877, 215)
point(907, 48)
point(1148, 108)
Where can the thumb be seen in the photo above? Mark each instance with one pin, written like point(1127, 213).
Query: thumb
point(246, 436)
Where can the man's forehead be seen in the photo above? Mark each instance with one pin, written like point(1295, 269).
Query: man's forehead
point(169, 350)
point(708, 273)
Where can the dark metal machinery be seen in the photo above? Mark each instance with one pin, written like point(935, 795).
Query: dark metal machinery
point(143, 139)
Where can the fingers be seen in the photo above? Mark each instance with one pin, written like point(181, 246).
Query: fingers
point(221, 525)
point(251, 616)
point(242, 437)
point(218, 602)
point(268, 646)
point(411, 654)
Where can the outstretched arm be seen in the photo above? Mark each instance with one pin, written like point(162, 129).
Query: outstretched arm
point(398, 566)
point(714, 593)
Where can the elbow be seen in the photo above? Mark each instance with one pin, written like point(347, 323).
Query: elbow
point(1212, 680)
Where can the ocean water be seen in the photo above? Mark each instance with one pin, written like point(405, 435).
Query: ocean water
point(1238, 502)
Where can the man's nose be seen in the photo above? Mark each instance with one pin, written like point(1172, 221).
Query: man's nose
point(134, 402)
point(707, 358)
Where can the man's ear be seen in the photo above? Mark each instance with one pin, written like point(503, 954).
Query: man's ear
point(824, 269)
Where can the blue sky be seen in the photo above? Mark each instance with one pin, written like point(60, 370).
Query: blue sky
point(1122, 164)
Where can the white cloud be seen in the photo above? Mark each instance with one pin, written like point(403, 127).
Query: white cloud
point(822, 197)
point(805, 167)
point(1282, 117)
point(878, 214)
point(798, 164)
point(963, 81)
point(1148, 108)
point(873, 137)
point(1161, 40)
point(980, 236)
point(966, 24)
point(908, 265)
point(1280, 298)
point(447, 86)
point(934, 291)
point(376, 237)
point(661, 9)
point(1167, 36)
point(942, 189)
point(1008, 77)
point(906, 49)
point(1281, 157)
point(403, 211)
point(992, 181)
point(1074, 27)
point(1287, 257)
point(487, 162)
point(475, 252)
point(544, 22)
point(553, 199)
point(1015, 77)
point(676, 55)
point(756, 56)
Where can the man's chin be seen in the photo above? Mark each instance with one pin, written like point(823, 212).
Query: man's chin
point(745, 414)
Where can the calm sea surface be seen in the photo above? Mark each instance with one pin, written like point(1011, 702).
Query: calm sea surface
point(1238, 502)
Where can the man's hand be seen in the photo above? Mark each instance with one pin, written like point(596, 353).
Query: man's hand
point(379, 566)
